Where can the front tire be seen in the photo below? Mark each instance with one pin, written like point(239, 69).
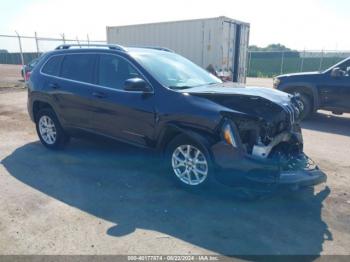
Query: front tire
point(307, 106)
point(49, 130)
point(189, 163)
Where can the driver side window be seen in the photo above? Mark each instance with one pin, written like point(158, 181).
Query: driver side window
point(347, 73)
point(114, 71)
point(345, 68)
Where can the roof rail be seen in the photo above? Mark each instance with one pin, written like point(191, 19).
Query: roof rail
point(68, 46)
point(154, 47)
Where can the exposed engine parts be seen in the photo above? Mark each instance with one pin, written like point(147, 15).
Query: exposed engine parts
point(260, 150)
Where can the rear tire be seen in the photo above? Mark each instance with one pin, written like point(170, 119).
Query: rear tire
point(49, 129)
point(189, 164)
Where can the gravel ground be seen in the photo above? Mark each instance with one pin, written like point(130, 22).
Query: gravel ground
point(10, 76)
point(98, 197)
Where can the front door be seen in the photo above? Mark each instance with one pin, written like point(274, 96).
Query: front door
point(335, 90)
point(125, 115)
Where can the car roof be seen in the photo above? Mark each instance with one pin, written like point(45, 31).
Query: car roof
point(109, 47)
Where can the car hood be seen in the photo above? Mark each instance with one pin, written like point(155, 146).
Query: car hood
point(258, 102)
point(300, 74)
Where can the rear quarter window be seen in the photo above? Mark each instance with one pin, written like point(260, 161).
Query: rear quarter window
point(78, 67)
point(52, 66)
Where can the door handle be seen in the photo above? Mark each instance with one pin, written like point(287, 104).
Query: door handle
point(54, 86)
point(99, 94)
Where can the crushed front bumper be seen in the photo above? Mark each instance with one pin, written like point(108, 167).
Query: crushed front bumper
point(301, 178)
point(238, 168)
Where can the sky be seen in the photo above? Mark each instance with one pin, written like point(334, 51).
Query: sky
point(298, 24)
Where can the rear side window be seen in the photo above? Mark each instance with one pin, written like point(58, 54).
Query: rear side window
point(52, 66)
point(78, 67)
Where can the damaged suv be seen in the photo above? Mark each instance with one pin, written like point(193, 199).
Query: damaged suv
point(153, 98)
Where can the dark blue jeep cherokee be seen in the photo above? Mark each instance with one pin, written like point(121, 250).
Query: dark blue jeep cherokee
point(153, 98)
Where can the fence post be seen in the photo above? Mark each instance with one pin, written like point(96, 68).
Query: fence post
point(321, 61)
point(302, 61)
point(282, 62)
point(249, 60)
point(78, 41)
point(37, 43)
point(63, 38)
point(20, 48)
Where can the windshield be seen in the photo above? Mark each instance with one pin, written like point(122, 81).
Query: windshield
point(342, 65)
point(173, 70)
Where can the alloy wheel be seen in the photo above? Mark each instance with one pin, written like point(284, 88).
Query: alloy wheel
point(47, 130)
point(189, 165)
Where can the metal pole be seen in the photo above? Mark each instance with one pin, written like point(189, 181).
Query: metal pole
point(37, 43)
point(282, 62)
point(88, 39)
point(20, 48)
point(78, 42)
point(302, 61)
point(321, 61)
point(249, 61)
point(63, 38)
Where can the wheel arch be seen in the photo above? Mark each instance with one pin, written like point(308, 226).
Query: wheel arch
point(38, 105)
point(305, 88)
point(171, 131)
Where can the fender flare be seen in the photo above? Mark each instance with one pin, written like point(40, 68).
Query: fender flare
point(46, 100)
point(200, 137)
point(308, 86)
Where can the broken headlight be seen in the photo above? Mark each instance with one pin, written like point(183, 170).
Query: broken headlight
point(228, 134)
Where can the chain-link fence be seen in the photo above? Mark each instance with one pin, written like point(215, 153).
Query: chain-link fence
point(272, 63)
point(20, 50)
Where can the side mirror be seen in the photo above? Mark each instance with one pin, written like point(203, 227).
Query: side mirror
point(136, 84)
point(336, 72)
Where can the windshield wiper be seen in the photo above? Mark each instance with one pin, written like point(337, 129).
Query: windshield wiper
point(180, 87)
point(186, 87)
point(213, 83)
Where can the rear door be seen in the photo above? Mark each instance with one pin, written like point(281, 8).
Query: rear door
point(75, 87)
point(69, 79)
point(125, 115)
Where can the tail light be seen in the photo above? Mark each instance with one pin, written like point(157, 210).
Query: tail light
point(27, 76)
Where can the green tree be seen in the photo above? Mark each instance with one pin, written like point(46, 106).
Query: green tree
point(270, 47)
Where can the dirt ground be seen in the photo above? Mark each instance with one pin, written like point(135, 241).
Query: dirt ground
point(10, 76)
point(98, 197)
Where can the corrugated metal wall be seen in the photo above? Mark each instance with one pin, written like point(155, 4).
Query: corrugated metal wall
point(203, 41)
point(243, 60)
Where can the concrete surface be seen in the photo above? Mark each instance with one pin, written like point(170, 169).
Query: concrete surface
point(256, 81)
point(98, 197)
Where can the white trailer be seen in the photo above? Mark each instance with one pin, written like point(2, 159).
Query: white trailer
point(221, 42)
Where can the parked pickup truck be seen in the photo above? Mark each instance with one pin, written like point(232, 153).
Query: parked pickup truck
point(328, 90)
